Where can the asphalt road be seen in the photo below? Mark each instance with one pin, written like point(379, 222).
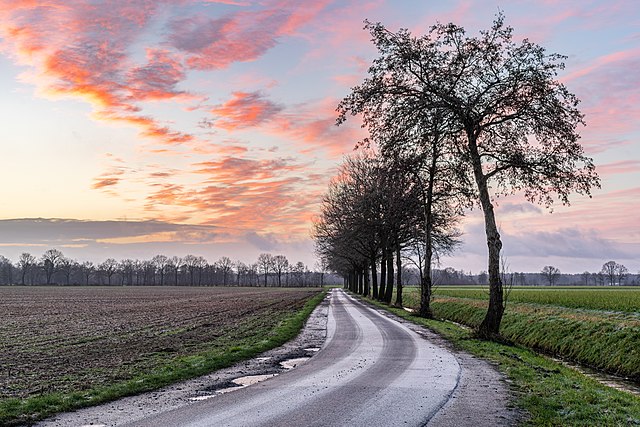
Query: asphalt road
point(371, 371)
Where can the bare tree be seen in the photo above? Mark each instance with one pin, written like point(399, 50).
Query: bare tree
point(614, 273)
point(173, 265)
point(609, 271)
point(109, 267)
point(65, 266)
point(25, 263)
point(50, 260)
point(226, 268)
point(191, 263)
point(280, 265)
point(87, 269)
point(160, 262)
point(265, 263)
point(586, 277)
point(550, 273)
point(515, 123)
point(621, 273)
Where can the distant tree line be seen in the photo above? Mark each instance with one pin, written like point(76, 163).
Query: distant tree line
point(611, 274)
point(54, 268)
point(449, 276)
point(453, 122)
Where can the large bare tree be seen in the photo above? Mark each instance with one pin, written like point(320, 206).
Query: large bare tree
point(516, 124)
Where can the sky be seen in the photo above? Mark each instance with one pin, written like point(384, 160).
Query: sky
point(132, 128)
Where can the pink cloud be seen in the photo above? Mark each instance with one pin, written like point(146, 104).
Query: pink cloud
point(623, 166)
point(81, 50)
point(214, 43)
point(311, 127)
point(245, 110)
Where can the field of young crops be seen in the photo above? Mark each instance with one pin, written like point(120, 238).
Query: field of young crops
point(596, 298)
point(597, 327)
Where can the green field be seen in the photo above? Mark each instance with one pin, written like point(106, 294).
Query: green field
point(625, 299)
point(596, 327)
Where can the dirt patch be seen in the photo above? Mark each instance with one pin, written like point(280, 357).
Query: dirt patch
point(134, 408)
point(65, 339)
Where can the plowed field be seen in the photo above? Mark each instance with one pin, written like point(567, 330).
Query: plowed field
point(64, 339)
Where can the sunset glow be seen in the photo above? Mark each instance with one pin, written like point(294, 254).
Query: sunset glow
point(208, 127)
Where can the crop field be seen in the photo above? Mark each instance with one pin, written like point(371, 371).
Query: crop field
point(57, 341)
point(596, 298)
point(596, 327)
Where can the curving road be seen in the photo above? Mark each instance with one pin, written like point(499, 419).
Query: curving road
point(371, 371)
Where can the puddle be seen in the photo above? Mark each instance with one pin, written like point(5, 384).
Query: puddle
point(252, 379)
point(292, 363)
point(619, 383)
point(205, 397)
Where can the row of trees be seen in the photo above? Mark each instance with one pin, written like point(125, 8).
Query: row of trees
point(610, 274)
point(55, 268)
point(454, 121)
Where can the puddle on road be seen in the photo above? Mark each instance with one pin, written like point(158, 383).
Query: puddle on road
point(252, 379)
point(205, 397)
point(238, 383)
point(292, 363)
point(242, 382)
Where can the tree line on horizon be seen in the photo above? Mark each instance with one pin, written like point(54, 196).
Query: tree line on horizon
point(53, 267)
point(454, 122)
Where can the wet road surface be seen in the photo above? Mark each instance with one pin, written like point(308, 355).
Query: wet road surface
point(371, 371)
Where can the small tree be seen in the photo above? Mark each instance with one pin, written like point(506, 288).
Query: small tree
point(226, 268)
point(25, 263)
point(550, 273)
point(109, 267)
point(621, 273)
point(280, 265)
point(50, 260)
point(609, 270)
point(265, 263)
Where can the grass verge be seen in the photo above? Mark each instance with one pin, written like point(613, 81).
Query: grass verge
point(551, 394)
point(603, 340)
point(14, 412)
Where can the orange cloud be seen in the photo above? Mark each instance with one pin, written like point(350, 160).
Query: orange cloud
point(277, 195)
point(245, 110)
point(81, 50)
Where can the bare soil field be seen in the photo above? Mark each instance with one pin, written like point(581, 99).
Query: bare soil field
point(68, 339)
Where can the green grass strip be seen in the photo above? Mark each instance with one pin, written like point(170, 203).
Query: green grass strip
point(15, 412)
point(552, 394)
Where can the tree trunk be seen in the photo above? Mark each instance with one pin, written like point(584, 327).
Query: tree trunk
point(383, 274)
point(389, 291)
point(367, 288)
point(426, 285)
point(398, 278)
point(374, 277)
point(490, 326)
